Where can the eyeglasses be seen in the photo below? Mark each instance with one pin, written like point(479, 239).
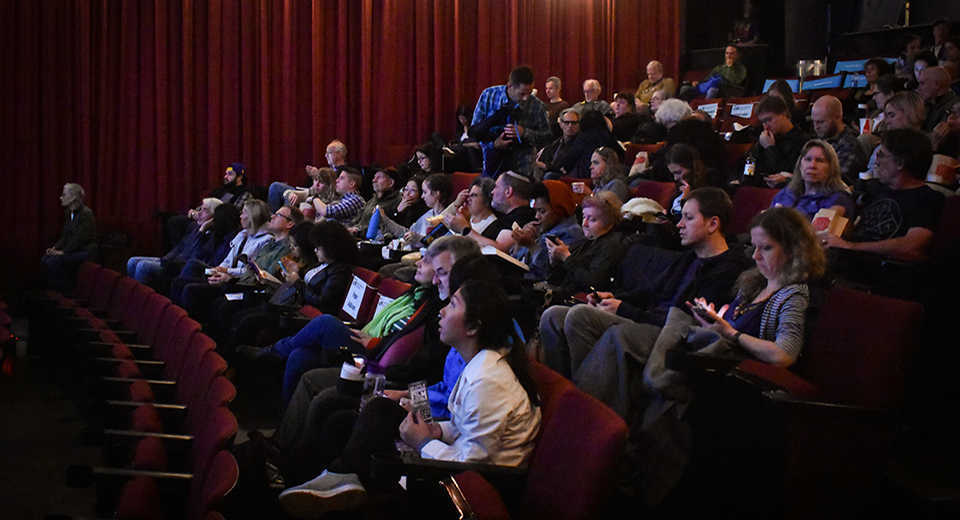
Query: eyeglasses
point(278, 214)
point(565, 122)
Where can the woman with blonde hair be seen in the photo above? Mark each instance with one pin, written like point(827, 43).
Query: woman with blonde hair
point(816, 183)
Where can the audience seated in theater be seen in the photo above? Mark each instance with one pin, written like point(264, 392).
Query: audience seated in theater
point(212, 247)
point(724, 80)
point(234, 190)
point(145, 269)
point(671, 112)
point(649, 281)
point(909, 48)
point(946, 135)
point(903, 110)
point(555, 205)
point(437, 193)
point(816, 183)
point(885, 88)
point(746, 29)
point(429, 159)
point(591, 100)
point(569, 155)
point(511, 125)
point(385, 196)
point(446, 262)
point(466, 151)
point(269, 260)
point(199, 298)
point(923, 61)
point(555, 105)
point(778, 148)
point(348, 207)
point(650, 131)
point(898, 218)
point(941, 34)
point(511, 197)
point(655, 82)
point(766, 321)
point(827, 117)
point(318, 343)
point(627, 120)
point(873, 69)
point(323, 285)
point(607, 175)
point(589, 264)
point(781, 89)
point(77, 243)
point(707, 142)
point(336, 156)
point(494, 413)
point(193, 289)
point(322, 185)
point(475, 204)
point(411, 206)
point(934, 89)
point(951, 54)
point(689, 173)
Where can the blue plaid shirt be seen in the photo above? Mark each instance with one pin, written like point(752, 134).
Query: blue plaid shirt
point(345, 209)
point(520, 156)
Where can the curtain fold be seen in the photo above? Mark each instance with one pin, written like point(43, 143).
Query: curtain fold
point(145, 102)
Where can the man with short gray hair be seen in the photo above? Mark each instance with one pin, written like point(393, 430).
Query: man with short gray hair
point(77, 244)
point(934, 89)
point(592, 101)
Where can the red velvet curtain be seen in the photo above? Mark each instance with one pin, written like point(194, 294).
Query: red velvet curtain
point(145, 102)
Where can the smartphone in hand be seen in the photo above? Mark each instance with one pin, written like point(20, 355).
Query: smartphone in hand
point(702, 311)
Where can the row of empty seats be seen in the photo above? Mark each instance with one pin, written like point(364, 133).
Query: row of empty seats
point(160, 387)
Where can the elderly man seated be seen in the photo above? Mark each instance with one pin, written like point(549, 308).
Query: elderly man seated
point(592, 101)
point(655, 82)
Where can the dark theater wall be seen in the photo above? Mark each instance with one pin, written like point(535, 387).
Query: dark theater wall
point(145, 102)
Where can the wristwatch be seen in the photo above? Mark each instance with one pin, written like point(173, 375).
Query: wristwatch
point(466, 231)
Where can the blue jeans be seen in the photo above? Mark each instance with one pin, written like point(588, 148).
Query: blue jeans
point(275, 195)
point(144, 269)
point(305, 350)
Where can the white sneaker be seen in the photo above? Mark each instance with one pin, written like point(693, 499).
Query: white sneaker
point(328, 492)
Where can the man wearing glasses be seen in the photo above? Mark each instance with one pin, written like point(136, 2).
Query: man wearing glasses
point(336, 156)
point(567, 155)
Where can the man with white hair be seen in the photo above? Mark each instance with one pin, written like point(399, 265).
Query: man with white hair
point(655, 82)
point(145, 269)
point(934, 89)
point(281, 193)
point(592, 101)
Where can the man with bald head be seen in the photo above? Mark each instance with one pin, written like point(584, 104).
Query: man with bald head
point(592, 101)
point(655, 81)
point(827, 116)
point(934, 89)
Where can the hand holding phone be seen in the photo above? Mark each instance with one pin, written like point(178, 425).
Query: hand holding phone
point(700, 309)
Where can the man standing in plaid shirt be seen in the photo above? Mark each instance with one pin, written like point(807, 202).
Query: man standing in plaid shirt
point(511, 125)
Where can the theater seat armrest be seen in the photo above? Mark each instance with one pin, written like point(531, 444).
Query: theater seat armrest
point(770, 378)
point(105, 349)
point(149, 368)
point(429, 469)
point(795, 404)
point(693, 362)
point(122, 474)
